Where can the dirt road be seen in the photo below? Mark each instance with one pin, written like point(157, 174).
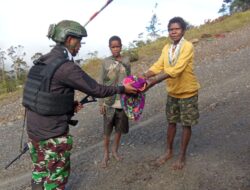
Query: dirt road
point(219, 151)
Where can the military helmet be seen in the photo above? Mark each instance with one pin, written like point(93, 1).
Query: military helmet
point(59, 32)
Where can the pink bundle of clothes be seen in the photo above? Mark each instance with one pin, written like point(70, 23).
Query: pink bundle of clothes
point(133, 104)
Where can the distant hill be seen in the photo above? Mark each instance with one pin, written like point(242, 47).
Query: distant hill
point(149, 52)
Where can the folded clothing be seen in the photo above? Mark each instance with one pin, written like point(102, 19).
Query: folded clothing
point(133, 104)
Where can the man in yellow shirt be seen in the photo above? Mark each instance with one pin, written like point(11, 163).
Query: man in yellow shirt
point(176, 64)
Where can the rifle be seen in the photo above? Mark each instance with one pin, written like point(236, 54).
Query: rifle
point(26, 147)
point(85, 100)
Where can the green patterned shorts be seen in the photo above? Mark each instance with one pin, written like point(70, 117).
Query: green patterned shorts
point(182, 110)
point(51, 162)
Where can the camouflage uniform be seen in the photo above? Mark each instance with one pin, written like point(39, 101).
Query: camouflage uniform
point(183, 110)
point(51, 162)
point(49, 143)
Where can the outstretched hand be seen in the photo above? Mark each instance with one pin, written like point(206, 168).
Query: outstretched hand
point(147, 86)
point(129, 89)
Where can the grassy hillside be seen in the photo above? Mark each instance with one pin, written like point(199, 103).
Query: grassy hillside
point(148, 53)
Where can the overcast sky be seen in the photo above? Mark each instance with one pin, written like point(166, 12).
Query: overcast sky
point(26, 22)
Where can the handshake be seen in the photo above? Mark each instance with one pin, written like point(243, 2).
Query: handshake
point(141, 83)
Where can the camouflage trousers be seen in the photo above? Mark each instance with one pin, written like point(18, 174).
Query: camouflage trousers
point(182, 110)
point(51, 162)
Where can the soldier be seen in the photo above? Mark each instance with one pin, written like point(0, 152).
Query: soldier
point(49, 101)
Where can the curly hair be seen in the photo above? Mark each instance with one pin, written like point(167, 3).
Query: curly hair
point(178, 20)
point(115, 38)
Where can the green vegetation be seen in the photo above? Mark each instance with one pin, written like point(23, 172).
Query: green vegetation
point(140, 54)
point(220, 25)
point(12, 80)
point(14, 94)
point(92, 67)
point(234, 6)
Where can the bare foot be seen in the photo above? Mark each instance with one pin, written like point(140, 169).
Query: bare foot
point(117, 156)
point(162, 159)
point(179, 164)
point(104, 163)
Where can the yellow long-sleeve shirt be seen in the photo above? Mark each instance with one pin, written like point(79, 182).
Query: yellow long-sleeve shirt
point(182, 82)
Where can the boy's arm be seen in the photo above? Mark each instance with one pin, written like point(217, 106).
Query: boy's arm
point(101, 81)
point(129, 69)
point(126, 64)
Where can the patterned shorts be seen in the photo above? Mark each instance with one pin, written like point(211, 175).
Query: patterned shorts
point(115, 118)
point(51, 162)
point(182, 110)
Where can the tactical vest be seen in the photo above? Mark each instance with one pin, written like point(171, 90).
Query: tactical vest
point(37, 96)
